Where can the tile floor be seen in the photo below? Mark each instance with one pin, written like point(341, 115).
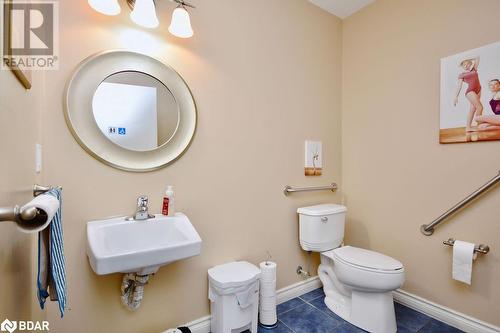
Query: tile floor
point(309, 314)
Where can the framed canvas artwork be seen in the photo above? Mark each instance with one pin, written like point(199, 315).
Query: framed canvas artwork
point(470, 96)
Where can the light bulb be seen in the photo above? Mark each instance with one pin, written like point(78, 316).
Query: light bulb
point(144, 14)
point(106, 7)
point(181, 23)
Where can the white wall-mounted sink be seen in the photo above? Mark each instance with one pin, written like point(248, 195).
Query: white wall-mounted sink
point(119, 246)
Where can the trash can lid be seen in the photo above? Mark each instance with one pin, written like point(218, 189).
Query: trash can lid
point(233, 274)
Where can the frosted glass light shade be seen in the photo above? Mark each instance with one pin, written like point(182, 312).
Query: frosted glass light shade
point(144, 14)
point(106, 7)
point(181, 23)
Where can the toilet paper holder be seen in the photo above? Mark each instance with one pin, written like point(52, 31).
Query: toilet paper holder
point(17, 214)
point(481, 248)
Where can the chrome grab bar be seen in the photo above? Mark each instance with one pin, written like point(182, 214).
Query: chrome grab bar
point(13, 214)
point(481, 248)
point(428, 229)
point(17, 214)
point(290, 189)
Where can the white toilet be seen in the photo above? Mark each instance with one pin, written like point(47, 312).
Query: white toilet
point(358, 283)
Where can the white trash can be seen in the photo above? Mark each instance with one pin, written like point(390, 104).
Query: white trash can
point(234, 297)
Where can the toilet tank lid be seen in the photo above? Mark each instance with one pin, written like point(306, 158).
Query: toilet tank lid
point(324, 209)
point(233, 274)
point(366, 258)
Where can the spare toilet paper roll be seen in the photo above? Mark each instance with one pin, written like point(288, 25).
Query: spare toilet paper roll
point(267, 305)
point(268, 268)
point(463, 256)
point(48, 205)
point(268, 292)
point(267, 299)
point(267, 282)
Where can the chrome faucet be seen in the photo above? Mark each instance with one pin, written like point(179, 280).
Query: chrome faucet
point(141, 212)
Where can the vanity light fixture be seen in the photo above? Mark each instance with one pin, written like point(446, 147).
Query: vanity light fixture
point(180, 25)
point(144, 14)
point(106, 7)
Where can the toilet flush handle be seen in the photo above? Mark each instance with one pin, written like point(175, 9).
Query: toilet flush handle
point(324, 219)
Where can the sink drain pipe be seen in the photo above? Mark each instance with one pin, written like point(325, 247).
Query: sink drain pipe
point(132, 290)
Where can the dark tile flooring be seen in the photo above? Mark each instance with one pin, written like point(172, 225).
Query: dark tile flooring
point(309, 314)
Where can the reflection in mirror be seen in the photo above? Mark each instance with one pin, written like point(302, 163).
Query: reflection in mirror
point(135, 111)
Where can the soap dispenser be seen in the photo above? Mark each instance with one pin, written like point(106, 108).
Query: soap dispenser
point(168, 202)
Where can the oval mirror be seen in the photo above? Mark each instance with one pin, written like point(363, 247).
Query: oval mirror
point(135, 111)
point(130, 111)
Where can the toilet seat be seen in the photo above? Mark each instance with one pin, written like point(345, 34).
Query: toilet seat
point(363, 270)
point(365, 260)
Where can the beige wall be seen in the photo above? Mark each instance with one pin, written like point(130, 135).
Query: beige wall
point(266, 76)
point(19, 128)
point(396, 176)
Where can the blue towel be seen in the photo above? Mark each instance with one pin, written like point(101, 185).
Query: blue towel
point(51, 278)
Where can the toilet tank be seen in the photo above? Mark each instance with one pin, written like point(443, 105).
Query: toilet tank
point(321, 227)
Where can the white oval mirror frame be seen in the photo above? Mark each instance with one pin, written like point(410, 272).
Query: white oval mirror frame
point(80, 119)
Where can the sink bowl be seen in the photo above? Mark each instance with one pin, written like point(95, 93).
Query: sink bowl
point(117, 245)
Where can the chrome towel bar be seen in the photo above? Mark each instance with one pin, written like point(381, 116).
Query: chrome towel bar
point(428, 229)
point(481, 248)
point(290, 189)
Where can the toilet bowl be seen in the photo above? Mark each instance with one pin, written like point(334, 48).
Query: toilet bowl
point(358, 283)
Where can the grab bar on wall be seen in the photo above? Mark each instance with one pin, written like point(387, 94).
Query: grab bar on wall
point(13, 214)
point(16, 213)
point(290, 189)
point(428, 229)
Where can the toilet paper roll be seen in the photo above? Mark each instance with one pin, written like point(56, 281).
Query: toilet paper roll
point(463, 256)
point(267, 315)
point(270, 319)
point(268, 270)
point(267, 292)
point(47, 205)
point(265, 279)
point(267, 299)
point(267, 318)
point(265, 285)
point(268, 303)
point(266, 307)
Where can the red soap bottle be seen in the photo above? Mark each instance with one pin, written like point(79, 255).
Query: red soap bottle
point(168, 202)
point(164, 209)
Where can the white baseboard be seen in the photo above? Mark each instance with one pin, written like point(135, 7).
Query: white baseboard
point(298, 289)
point(433, 310)
point(202, 325)
point(444, 314)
